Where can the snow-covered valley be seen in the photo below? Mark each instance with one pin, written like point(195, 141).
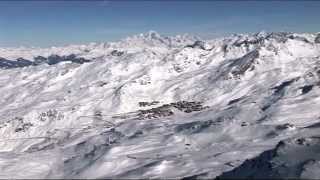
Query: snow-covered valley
point(152, 106)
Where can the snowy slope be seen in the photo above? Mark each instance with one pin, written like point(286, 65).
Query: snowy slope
point(151, 106)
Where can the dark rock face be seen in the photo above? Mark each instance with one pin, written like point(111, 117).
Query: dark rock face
point(39, 60)
point(244, 63)
point(55, 59)
point(284, 126)
point(317, 39)
point(194, 127)
point(315, 125)
point(279, 36)
point(255, 165)
point(7, 64)
point(177, 68)
point(224, 48)
point(166, 109)
point(198, 44)
point(278, 93)
point(306, 89)
point(298, 38)
point(51, 60)
point(246, 43)
point(283, 161)
point(282, 86)
point(116, 53)
point(24, 62)
point(235, 100)
point(244, 124)
point(102, 83)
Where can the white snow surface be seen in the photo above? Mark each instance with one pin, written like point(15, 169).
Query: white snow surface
point(252, 84)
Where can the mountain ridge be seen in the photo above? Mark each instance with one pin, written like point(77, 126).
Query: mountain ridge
point(156, 107)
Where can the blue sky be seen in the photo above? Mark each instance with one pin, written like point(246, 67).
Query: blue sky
point(47, 23)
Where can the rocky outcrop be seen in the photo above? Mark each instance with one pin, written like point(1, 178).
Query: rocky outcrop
point(292, 158)
point(243, 64)
point(317, 39)
point(198, 44)
point(307, 88)
point(280, 88)
point(116, 53)
point(299, 38)
point(19, 63)
point(247, 42)
point(55, 59)
point(281, 37)
point(51, 60)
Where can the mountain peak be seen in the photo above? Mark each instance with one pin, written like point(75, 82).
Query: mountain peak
point(153, 34)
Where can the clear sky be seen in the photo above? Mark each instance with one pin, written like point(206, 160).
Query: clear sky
point(48, 22)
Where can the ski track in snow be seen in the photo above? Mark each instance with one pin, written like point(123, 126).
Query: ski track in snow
point(82, 119)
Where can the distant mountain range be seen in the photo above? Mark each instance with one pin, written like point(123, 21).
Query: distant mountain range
point(152, 106)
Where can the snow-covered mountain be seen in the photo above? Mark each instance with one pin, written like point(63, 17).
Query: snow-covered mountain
point(152, 106)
